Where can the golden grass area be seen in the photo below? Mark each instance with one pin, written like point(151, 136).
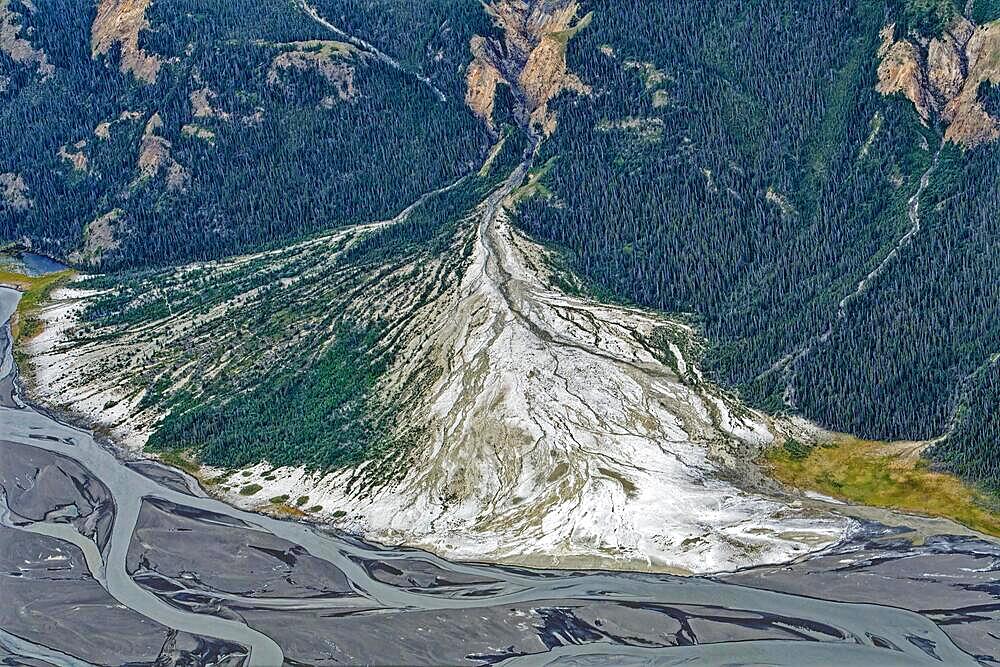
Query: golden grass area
point(185, 461)
point(24, 325)
point(879, 474)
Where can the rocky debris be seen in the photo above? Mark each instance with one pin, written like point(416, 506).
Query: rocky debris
point(969, 123)
point(98, 237)
point(17, 48)
point(14, 193)
point(75, 156)
point(199, 132)
point(202, 105)
point(326, 58)
point(941, 76)
point(154, 156)
point(784, 204)
point(103, 130)
point(644, 130)
point(530, 58)
point(120, 22)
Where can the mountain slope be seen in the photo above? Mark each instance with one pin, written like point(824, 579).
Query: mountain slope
point(758, 179)
point(210, 128)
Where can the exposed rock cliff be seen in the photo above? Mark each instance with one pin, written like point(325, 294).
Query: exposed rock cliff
point(120, 22)
point(530, 58)
point(98, 237)
point(154, 156)
point(75, 155)
point(327, 58)
point(942, 76)
point(14, 193)
point(16, 47)
point(203, 104)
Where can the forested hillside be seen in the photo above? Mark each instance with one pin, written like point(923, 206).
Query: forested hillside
point(158, 132)
point(736, 162)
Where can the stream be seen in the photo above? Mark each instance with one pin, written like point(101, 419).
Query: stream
point(108, 561)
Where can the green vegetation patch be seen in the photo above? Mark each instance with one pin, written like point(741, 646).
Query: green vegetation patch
point(250, 489)
point(985, 11)
point(319, 416)
point(36, 290)
point(886, 475)
point(929, 17)
point(795, 450)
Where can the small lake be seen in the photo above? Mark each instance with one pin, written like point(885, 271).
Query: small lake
point(30, 264)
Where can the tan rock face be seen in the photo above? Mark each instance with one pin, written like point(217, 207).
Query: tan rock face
point(120, 22)
point(154, 156)
point(14, 193)
point(481, 81)
point(202, 105)
point(969, 123)
point(942, 76)
point(945, 70)
point(18, 49)
point(900, 72)
point(75, 155)
point(531, 58)
point(326, 58)
point(99, 236)
point(199, 132)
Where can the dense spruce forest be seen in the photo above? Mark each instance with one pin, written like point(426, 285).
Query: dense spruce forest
point(430, 37)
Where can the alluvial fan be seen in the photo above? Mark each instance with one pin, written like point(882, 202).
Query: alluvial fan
point(522, 423)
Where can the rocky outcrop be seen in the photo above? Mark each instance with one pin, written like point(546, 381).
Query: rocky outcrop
point(198, 132)
point(202, 104)
point(941, 76)
point(530, 58)
point(327, 58)
point(98, 237)
point(17, 48)
point(968, 121)
point(75, 156)
point(155, 157)
point(482, 79)
point(103, 130)
point(14, 193)
point(900, 72)
point(120, 22)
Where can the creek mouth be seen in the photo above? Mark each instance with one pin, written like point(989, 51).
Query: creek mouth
point(108, 562)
